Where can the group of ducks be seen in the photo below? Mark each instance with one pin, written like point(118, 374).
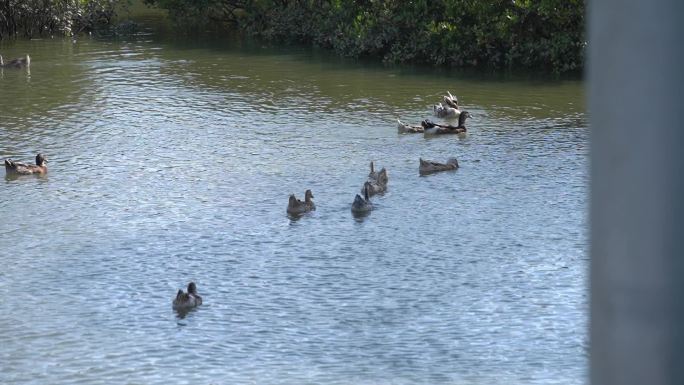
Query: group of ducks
point(20, 62)
point(377, 181)
point(449, 110)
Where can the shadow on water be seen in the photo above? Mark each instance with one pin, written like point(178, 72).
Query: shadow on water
point(359, 217)
point(10, 177)
point(182, 313)
point(294, 217)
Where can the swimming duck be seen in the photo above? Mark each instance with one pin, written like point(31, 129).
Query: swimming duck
point(184, 301)
point(445, 111)
point(295, 206)
point(441, 129)
point(16, 63)
point(450, 100)
point(380, 177)
point(12, 167)
point(362, 205)
point(377, 181)
point(404, 128)
point(428, 167)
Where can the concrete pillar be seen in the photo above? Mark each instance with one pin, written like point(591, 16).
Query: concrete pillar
point(636, 107)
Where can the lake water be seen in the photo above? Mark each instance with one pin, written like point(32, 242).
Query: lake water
point(171, 160)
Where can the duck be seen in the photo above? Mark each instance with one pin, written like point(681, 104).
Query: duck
point(362, 205)
point(429, 167)
point(380, 177)
point(16, 63)
point(184, 301)
point(376, 182)
point(404, 128)
point(441, 129)
point(18, 168)
point(441, 111)
point(450, 100)
point(295, 206)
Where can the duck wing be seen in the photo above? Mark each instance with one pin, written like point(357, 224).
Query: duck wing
point(18, 167)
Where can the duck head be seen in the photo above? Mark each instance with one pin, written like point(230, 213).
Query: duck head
point(462, 118)
point(308, 195)
point(41, 160)
point(192, 289)
point(382, 176)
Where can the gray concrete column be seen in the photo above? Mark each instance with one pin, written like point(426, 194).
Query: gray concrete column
point(636, 107)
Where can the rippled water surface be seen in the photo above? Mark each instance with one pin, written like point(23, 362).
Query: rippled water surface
point(172, 161)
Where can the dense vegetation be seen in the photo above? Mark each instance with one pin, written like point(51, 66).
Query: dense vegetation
point(545, 34)
point(31, 18)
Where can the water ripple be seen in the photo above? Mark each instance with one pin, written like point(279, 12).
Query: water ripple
point(171, 163)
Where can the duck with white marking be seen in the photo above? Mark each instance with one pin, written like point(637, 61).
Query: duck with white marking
point(445, 129)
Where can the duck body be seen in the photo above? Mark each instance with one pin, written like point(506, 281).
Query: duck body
point(374, 188)
point(361, 205)
point(450, 100)
point(18, 168)
point(297, 207)
point(429, 167)
point(446, 129)
point(404, 128)
point(447, 112)
point(376, 182)
point(189, 300)
point(20, 62)
point(450, 108)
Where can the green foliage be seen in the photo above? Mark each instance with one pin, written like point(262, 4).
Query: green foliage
point(546, 34)
point(37, 17)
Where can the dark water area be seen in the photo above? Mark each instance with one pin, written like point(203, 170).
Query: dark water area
point(171, 160)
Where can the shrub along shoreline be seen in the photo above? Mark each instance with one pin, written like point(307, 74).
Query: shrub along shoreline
point(543, 35)
point(33, 18)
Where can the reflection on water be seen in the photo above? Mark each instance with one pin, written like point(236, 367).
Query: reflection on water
point(359, 216)
point(173, 161)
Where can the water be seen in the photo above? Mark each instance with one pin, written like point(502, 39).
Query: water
point(172, 160)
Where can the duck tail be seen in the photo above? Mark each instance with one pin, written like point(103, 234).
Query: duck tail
point(358, 201)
